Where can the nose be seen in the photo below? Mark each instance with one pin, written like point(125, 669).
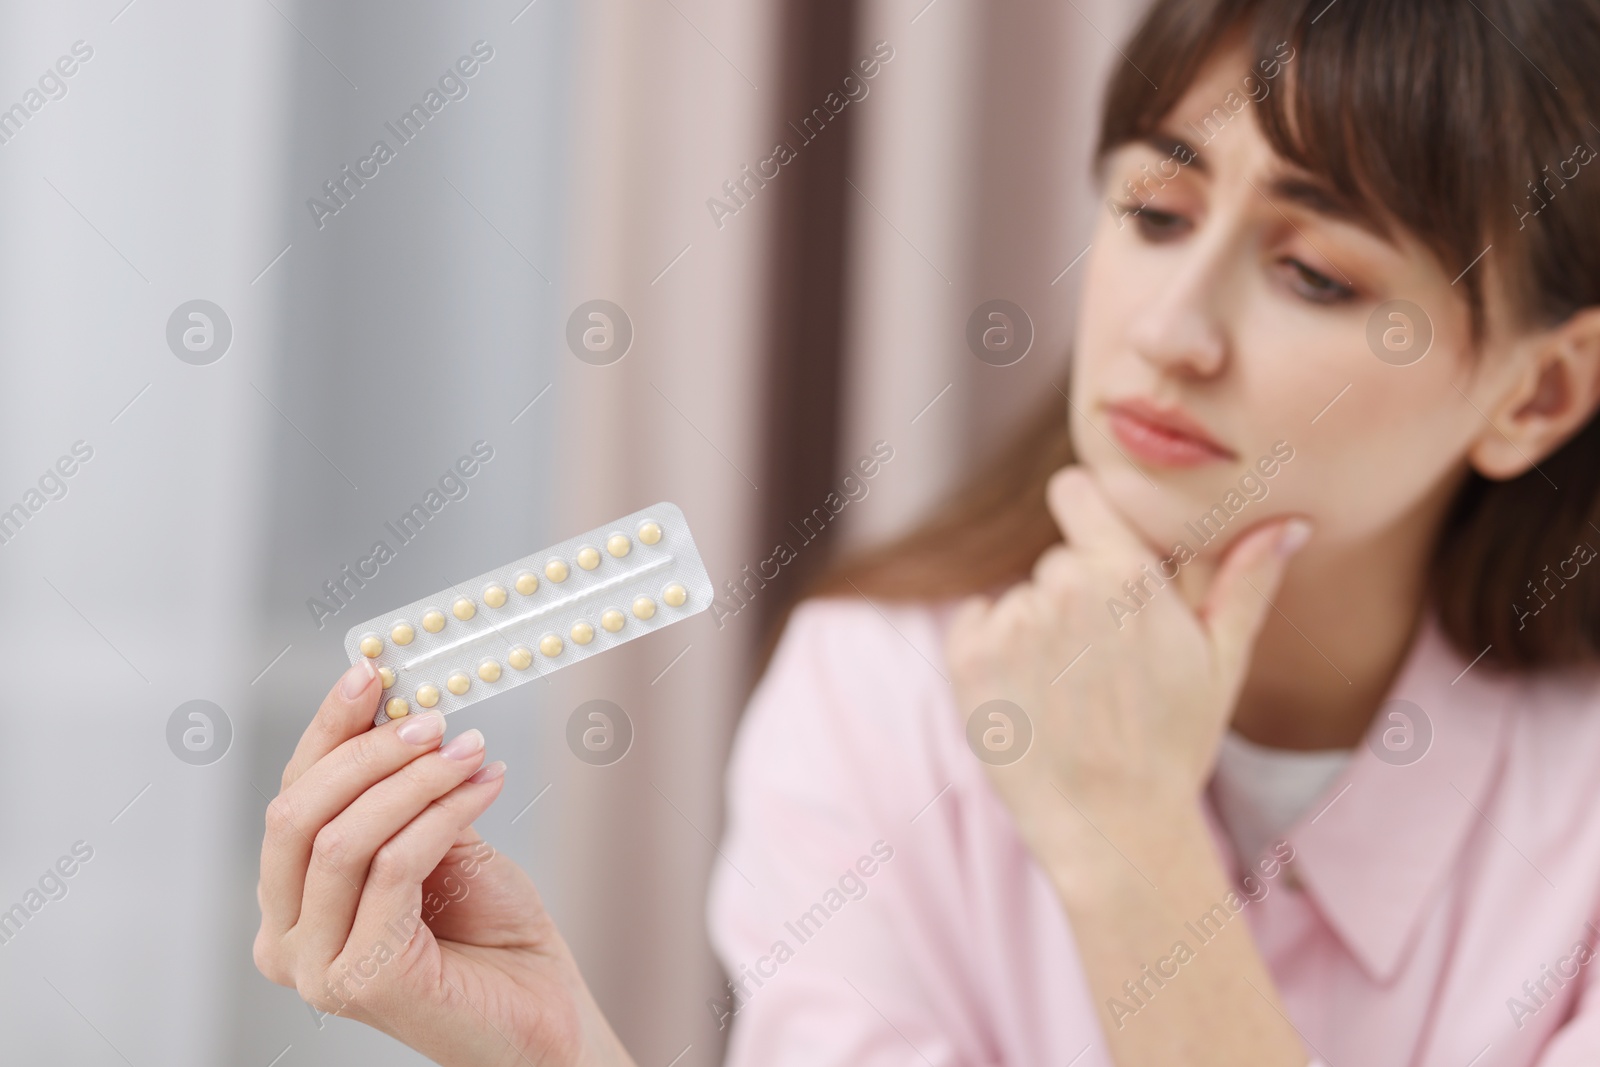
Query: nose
point(1179, 331)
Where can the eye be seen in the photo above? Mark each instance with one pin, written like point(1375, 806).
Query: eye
point(1156, 226)
point(1316, 286)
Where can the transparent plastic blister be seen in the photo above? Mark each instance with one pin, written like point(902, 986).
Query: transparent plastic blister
point(532, 616)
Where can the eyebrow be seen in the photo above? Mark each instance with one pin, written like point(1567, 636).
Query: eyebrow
point(1302, 190)
point(1176, 148)
point(1317, 197)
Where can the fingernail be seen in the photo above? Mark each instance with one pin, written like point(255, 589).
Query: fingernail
point(356, 679)
point(489, 772)
point(468, 744)
point(420, 729)
point(1296, 532)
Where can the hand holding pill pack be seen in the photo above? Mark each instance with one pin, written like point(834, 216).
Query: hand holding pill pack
point(535, 615)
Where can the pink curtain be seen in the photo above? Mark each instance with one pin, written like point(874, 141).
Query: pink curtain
point(969, 181)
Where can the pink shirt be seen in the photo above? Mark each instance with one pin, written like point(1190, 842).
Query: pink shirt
point(875, 906)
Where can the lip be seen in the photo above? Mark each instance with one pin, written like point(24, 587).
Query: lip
point(1165, 436)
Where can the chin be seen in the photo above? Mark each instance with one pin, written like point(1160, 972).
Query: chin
point(1165, 513)
point(1156, 501)
point(1156, 512)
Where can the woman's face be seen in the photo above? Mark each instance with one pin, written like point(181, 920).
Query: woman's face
point(1235, 304)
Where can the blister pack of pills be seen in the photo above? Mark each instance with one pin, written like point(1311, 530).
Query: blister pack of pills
point(583, 596)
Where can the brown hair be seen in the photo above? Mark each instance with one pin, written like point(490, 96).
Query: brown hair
point(1447, 115)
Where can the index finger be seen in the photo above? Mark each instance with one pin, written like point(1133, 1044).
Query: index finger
point(1087, 519)
point(346, 711)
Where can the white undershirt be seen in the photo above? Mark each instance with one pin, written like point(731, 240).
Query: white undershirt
point(1260, 792)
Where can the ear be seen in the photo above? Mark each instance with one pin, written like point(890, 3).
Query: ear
point(1553, 395)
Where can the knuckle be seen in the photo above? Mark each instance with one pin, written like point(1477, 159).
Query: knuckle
point(967, 653)
point(422, 775)
point(1017, 615)
point(331, 844)
point(1056, 568)
point(390, 869)
point(967, 622)
point(265, 953)
point(367, 750)
point(968, 644)
point(316, 991)
point(368, 985)
point(280, 817)
point(964, 658)
point(1071, 580)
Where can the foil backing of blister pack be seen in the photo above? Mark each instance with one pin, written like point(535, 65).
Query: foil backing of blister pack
point(521, 628)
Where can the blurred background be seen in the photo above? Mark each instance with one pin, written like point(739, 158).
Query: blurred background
point(363, 322)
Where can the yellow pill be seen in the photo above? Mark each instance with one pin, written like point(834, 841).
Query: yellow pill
point(397, 708)
point(458, 683)
point(387, 676)
point(649, 532)
point(588, 557)
point(527, 583)
point(520, 658)
point(674, 595)
point(489, 670)
point(463, 609)
point(612, 620)
point(619, 545)
point(371, 646)
point(556, 570)
point(427, 695)
point(433, 621)
point(494, 596)
point(582, 633)
point(643, 607)
point(550, 645)
point(401, 633)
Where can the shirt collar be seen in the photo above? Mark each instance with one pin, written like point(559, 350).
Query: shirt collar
point(1378, 846)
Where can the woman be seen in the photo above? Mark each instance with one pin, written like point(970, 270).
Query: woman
point(1288, 618)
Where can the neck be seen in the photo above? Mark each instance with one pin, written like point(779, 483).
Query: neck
point(1344, 621)
point(1328, 655)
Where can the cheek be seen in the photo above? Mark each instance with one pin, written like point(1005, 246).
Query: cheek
point(1391, 439)
point(1112, 286)
point(1112, 293)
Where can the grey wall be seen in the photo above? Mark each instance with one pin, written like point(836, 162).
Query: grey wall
point(178, 563)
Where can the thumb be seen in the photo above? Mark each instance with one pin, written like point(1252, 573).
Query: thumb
point(1240, 597)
